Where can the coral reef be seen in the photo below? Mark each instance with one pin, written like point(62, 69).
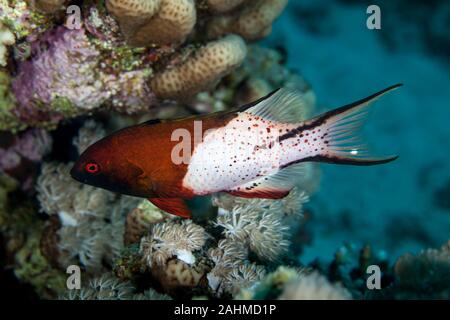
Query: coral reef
point(313, 287)
point(49, 6)
point(159, 22)
point(21, 230)
point(202, 70)
point(261, 72)
point(216, 258)
point(423, 276)
point(295, 284)
point(63, 88)
point(88, 219)
point(6, 39)
point(252, 22)
point(157, 53)
point(20, 154)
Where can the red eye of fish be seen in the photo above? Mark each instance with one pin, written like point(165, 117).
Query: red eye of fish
point(92, 167)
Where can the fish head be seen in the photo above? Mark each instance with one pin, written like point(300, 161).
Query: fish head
point(105, 164)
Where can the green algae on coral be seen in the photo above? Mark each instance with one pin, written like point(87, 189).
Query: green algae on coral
point(8, 121)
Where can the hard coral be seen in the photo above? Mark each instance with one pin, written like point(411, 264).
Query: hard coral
point(221, 6)
point(252, 22)
point(261, 72)
point(201, 71)
point(147, 22)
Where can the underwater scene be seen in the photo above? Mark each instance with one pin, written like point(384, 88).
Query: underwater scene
point(224, 150)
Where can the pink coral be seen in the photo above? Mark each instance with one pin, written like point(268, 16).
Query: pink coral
point(59, 79)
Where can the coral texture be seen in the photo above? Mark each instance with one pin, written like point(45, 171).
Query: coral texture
point(314, 287)
point(6, 39)
point(155, 51)
point(424, 275)
point(202, 70)
point(154, 21)
point(244, 229)
point(221, 6)
point(253, 22)
point(89, 219)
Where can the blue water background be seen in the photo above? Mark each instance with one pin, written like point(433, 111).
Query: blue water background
point(392, 207)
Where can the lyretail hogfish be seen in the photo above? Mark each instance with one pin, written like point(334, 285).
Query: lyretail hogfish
point(256, 151)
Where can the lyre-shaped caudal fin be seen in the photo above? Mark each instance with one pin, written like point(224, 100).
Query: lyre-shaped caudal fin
point(338, 133)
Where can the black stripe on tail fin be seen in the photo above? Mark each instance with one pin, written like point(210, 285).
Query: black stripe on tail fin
point(339, 137)
point(351, 161)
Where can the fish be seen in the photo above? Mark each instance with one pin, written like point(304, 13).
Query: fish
point(258, 150)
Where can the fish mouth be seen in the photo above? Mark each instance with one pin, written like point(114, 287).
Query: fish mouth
point(74, 174)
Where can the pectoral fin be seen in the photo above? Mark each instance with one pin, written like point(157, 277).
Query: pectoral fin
point(176, 206)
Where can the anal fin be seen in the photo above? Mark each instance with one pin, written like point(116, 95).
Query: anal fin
point(176, 206)
point(274, 186)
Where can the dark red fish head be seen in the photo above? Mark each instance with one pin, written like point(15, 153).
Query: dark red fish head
point(105, 164)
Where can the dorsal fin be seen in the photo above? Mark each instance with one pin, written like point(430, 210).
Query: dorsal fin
point(282, 105)
point(151, 122)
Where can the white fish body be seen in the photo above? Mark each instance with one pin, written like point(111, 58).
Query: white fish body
point(260, 152)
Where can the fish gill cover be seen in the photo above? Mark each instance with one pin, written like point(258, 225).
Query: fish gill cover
point(72, 73)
